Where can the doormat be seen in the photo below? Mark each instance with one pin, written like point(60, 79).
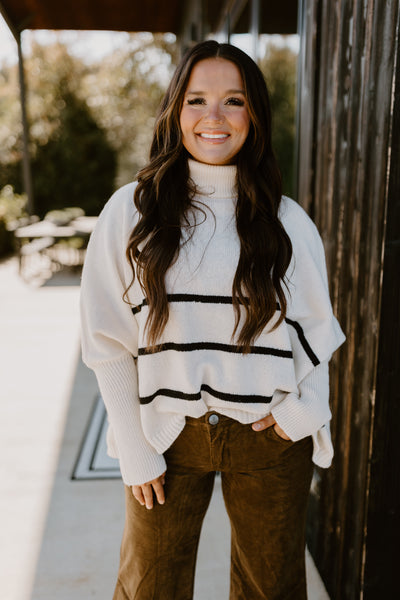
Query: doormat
point(93, 461)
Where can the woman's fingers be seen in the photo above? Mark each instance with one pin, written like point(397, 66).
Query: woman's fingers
point(269, 421)
point(263, 423)
point(148, 495)
point(137, 492)
point(158, 487)
point(280, 432)
point(144, 493)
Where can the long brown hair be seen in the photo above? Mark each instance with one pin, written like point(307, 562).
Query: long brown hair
point(164, 194)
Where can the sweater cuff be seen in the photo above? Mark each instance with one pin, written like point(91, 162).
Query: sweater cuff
point(301, 415)
point(139, 461)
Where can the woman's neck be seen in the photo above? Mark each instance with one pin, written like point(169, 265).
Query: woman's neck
point(214, 181)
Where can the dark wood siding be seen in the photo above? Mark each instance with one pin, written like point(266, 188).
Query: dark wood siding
point(382, 556)
point(346, 133)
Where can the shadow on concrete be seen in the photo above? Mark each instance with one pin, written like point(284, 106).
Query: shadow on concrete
point(80, 546)
point(64, 277)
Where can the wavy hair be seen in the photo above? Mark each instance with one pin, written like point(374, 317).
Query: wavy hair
point(164, 194)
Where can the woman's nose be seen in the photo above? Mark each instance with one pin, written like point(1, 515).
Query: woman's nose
point(214, 113)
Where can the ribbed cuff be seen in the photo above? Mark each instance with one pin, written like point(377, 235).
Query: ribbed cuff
point(302, 415)
point(139, 461)
point(322, 447)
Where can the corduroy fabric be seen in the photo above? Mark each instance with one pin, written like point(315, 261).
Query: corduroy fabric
point(265, 482)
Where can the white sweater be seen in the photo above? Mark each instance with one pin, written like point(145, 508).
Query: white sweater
point(197, 366)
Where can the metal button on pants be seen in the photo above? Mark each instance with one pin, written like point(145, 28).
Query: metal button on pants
point(213, 419)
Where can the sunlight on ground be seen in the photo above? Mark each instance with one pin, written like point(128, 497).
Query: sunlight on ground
point(39, 332)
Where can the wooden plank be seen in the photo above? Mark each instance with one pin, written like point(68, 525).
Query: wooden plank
point(382, 554)
point(347, 195)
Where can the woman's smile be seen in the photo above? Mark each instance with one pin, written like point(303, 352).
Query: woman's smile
point(213, 137)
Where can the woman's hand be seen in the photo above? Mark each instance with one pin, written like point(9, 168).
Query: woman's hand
point(144, 493)
point(269, 421)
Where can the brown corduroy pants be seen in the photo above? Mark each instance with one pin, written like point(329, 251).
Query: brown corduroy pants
point(265, 483)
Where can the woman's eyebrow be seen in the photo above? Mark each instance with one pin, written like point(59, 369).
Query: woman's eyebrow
point(199, 93)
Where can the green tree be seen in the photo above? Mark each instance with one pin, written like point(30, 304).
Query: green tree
point(10, 127)
point(279, 67)
point(77, 165)
point(72, 160)
point(80, 114)
point(124, 91)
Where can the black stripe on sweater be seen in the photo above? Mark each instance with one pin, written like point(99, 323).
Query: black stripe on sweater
point(233, 349)
point(303, 341)
point(205, 388)
point(189, 298)
point(228, 300)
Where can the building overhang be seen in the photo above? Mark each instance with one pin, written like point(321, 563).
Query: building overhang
point(143, 15)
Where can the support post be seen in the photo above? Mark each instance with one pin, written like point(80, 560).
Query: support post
point(255, 27)
point(26, 167)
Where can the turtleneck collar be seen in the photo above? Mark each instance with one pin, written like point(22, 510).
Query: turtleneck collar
point(214, 181)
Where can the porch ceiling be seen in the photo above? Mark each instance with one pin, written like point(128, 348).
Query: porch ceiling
point(139, 15)
point(115, 15)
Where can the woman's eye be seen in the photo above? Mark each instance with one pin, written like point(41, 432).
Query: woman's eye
point(193, 101)
point(235, 101)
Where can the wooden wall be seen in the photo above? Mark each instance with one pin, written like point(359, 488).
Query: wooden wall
point(349, 183)
point(382, 554)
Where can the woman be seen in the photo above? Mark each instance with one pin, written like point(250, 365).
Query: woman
point(207, 320)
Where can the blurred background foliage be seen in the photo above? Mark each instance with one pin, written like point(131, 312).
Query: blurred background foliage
point(12, 211)
point(279, 66)
point(91, 122)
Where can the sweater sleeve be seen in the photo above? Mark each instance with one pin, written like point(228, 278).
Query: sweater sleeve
point(302, 414)
point(315, 334)
point(308, 413)
point(314, 331)
point(109, 337)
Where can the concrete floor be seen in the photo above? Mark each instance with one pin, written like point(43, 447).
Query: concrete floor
point(60, 537)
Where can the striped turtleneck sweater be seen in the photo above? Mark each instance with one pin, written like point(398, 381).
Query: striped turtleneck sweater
point(196, 365)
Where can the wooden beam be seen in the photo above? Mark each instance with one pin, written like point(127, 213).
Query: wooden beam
point(10, 24)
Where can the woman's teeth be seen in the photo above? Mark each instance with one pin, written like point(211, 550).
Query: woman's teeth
point(214, 136)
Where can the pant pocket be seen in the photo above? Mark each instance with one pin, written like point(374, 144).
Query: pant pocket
point(275, 436)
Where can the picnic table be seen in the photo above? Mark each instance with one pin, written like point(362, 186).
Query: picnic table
point(36, 238)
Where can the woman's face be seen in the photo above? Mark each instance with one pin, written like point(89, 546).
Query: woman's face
point(214, 117)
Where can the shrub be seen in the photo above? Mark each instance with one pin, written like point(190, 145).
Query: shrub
point(12, 209)
point(77, 166)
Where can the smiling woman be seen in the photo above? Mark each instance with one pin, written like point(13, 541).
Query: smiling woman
point(215, 120)
point(206, 317)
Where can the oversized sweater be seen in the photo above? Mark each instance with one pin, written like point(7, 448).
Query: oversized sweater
point(197, 366)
